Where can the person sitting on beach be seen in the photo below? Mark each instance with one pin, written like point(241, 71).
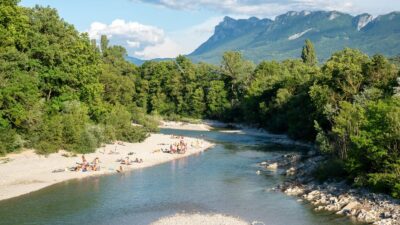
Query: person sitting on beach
point(137, 160)
point(115, 152)
point(126, 161)
point(84, 161)
point(96, 160)
point(95, 164)
point(85, 167)
point(78, 168)
point(173, 149)
point(95, 167)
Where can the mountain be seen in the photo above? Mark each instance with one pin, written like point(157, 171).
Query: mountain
point(283, 38)
point(139, 62)
point(136, 61)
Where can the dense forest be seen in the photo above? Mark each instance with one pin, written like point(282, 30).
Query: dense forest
point(61, 90)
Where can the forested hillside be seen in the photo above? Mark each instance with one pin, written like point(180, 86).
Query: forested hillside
point(60, 90)
point(283, 37)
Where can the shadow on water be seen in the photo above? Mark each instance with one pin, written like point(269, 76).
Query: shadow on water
point(220, 180)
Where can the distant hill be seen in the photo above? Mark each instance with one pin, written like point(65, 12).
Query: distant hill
point(139, 62)
point(283, 38)
point(136, 61)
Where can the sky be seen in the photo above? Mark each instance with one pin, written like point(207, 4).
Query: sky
point(166, 28)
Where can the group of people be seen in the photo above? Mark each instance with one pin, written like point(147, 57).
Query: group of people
point(86, 166)
point(127, 161)
point(178, 147)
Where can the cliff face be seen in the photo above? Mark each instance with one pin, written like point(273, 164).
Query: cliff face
point(282, 38)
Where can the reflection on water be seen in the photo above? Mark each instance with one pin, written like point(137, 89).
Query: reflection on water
point(220, 180)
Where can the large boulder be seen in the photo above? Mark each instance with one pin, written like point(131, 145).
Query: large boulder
point(272, 166)
point(367, 216)
point(350, 208)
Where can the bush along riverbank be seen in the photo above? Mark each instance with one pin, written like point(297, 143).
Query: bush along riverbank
point(303, 173)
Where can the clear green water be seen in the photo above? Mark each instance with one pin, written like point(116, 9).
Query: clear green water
point(221, 180)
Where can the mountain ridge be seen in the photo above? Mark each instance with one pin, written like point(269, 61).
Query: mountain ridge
point(282, 38)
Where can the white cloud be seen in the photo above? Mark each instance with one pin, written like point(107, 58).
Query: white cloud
point(133, 44)
point(132, 35)
point(166, 49)
point(263, 8)
point(148, 42)
point(191, 38)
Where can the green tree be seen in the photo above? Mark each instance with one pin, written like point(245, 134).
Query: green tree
point(238, 72)
point(217, 100)
point(104, 44)
point(308, 54)
point(198, 103)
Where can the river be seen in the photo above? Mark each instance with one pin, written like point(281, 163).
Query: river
point(220, 180)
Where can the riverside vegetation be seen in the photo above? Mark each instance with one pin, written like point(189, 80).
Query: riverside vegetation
point(61, 90)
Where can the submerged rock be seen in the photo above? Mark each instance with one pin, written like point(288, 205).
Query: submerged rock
point(273, 166)
point(295, 191)
point(290, 172)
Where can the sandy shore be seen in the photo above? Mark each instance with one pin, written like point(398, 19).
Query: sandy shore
point(185, 126)
point(200, 219)
point(27, 172)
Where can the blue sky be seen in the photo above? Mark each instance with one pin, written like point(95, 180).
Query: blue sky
point(166, 28)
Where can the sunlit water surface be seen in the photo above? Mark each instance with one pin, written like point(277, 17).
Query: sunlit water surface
point(220, 180)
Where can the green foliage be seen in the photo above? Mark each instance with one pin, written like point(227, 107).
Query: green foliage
point(332, 169)
point(385, 182)
point(56, 87)
point(380, 73)
point(118, 126)
point(217, 100)
point(322, 141)
point(308, 54)
point(238, 72)
point(345, 73)
point(9, 141)
point(49, 136)
point(376, 144)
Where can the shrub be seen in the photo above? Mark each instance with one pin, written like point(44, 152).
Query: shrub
point(332, 169)
point(134, 134)
point(87, 142)
point(49, 137)
point(9, 141)
point(147, 121)
point(118, 126)
point(385, 183)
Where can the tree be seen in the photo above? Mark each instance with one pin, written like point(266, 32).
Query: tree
point(217, 100)
point(380, 73)
point(104, 44)
point(308, 54)
point(198, 103)
point(344, 72)
point(238, 72)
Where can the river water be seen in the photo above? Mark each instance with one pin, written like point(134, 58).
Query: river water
point(220, 180)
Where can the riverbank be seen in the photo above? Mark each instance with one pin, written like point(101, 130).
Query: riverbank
point(26, 172)
point(200, 219)
point(184, 126)
point(231, 128)
point(332, 196)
